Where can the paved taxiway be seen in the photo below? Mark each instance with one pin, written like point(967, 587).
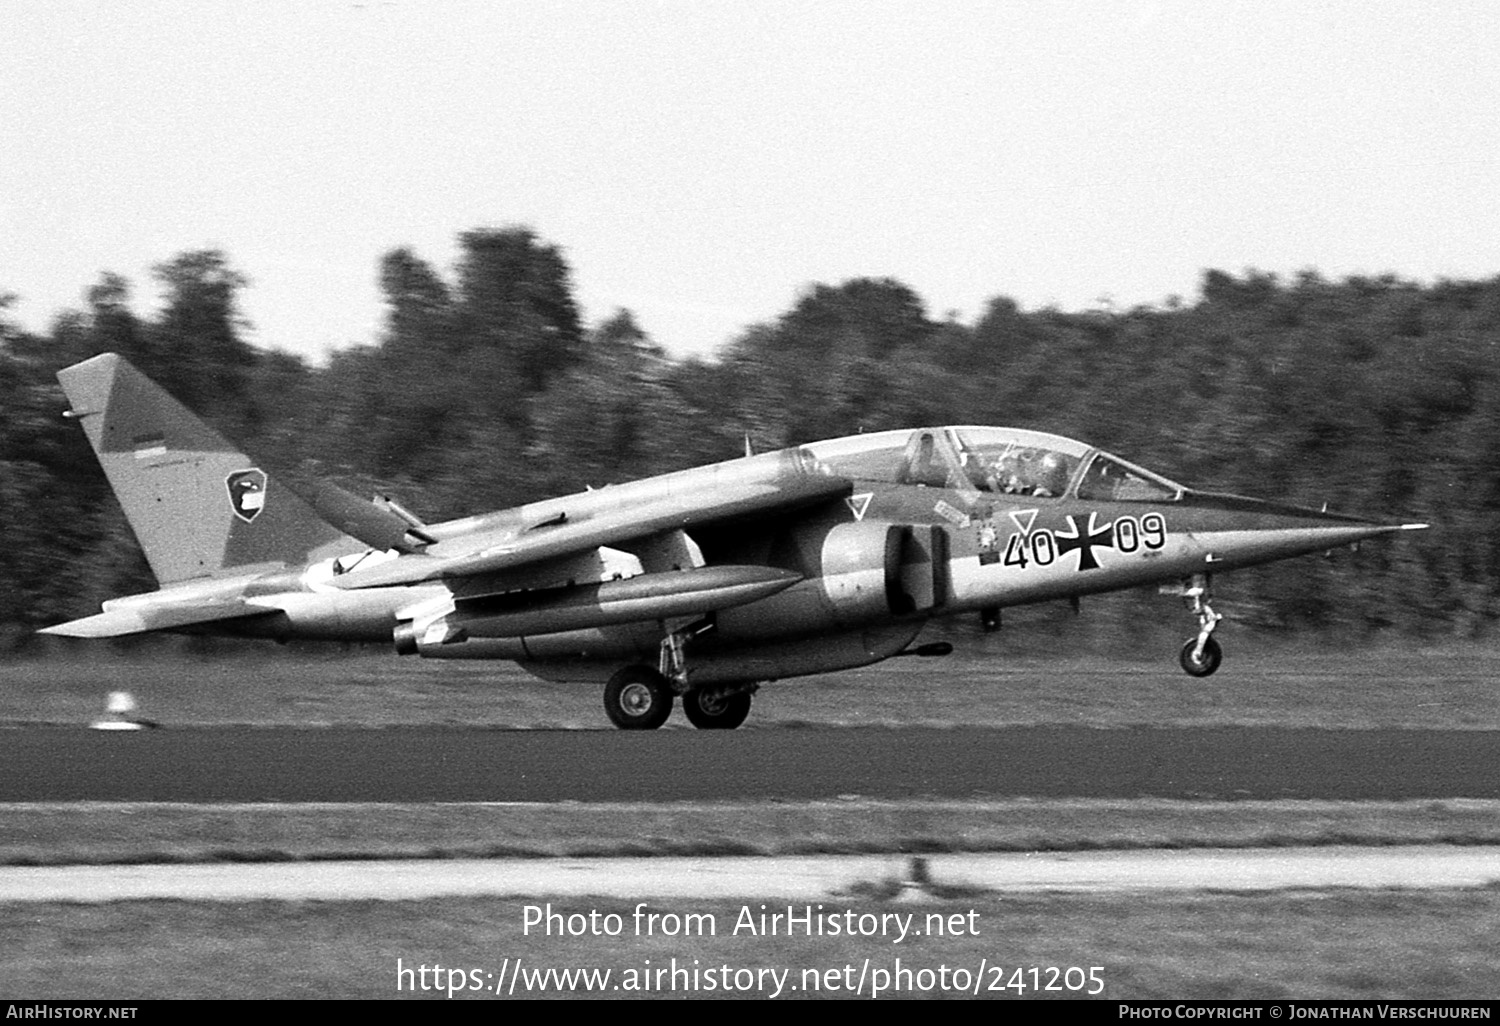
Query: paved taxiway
point(461, 764)
point(804, 878)
point(407, 764)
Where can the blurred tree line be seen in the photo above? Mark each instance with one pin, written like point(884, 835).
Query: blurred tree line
point(1373, 395)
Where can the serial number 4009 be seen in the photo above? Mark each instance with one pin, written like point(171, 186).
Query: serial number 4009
point(1127, 534)
point(1044, 978)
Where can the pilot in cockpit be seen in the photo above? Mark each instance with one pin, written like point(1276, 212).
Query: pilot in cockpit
point(1051, 476)
point(1008, 476)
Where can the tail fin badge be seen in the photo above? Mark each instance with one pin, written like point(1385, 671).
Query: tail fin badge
point(247, 493)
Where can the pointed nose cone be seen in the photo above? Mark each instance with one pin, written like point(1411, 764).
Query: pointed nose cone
point(1234, 531)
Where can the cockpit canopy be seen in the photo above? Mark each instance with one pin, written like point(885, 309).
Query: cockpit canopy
point(997, 461)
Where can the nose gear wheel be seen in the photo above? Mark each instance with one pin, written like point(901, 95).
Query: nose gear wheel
point(1201, 659)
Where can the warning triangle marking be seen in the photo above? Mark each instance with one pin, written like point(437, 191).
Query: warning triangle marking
point(1023, 519)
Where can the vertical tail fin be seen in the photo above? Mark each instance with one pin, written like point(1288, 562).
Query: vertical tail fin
point(198, 506)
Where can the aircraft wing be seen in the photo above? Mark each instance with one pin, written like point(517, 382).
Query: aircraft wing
point(559, 536)
point(139, 618)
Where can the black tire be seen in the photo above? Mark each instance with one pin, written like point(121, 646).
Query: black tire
point(1212, 656)
point(637, 698)
point(716, 714)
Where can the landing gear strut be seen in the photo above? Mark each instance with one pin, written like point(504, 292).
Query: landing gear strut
point(1201, 655)
point(672, 663)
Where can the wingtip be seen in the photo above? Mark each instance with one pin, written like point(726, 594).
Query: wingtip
point(71, 629)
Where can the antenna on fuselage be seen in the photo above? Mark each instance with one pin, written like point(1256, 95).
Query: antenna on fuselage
point(749, 449)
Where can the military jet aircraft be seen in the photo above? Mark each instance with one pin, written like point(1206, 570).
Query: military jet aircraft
point(698, 585)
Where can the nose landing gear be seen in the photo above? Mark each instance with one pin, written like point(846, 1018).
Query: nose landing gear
point(1201, 655)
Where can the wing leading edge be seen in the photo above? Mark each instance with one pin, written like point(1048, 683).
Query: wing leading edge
point(556, 537)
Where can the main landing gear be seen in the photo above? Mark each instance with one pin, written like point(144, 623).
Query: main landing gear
point(637, 698)
point(709, 709)
point(640, 697)
point(1201, 655)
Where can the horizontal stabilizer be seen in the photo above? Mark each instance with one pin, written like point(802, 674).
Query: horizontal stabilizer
point(139, 618)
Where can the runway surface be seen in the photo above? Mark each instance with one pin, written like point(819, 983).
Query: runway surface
point(460, 764)
point(807, 878)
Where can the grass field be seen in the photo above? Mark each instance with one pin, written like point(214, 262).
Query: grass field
point(1260, 685)
point(1334, 944)
point(1348, 945)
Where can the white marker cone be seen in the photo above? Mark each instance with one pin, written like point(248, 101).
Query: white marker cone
point(117, 710)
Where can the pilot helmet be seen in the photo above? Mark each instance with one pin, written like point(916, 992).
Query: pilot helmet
point(1052, 473)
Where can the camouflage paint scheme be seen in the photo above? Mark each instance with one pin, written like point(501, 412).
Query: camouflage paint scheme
point(701, 584)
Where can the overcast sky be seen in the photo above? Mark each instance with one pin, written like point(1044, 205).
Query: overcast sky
point(702, 163)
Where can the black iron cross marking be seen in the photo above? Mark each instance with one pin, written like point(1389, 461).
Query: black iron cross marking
point(1084, 540)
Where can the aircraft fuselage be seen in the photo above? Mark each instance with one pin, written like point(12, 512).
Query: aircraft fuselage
point(701, 583)
point(869, 568)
